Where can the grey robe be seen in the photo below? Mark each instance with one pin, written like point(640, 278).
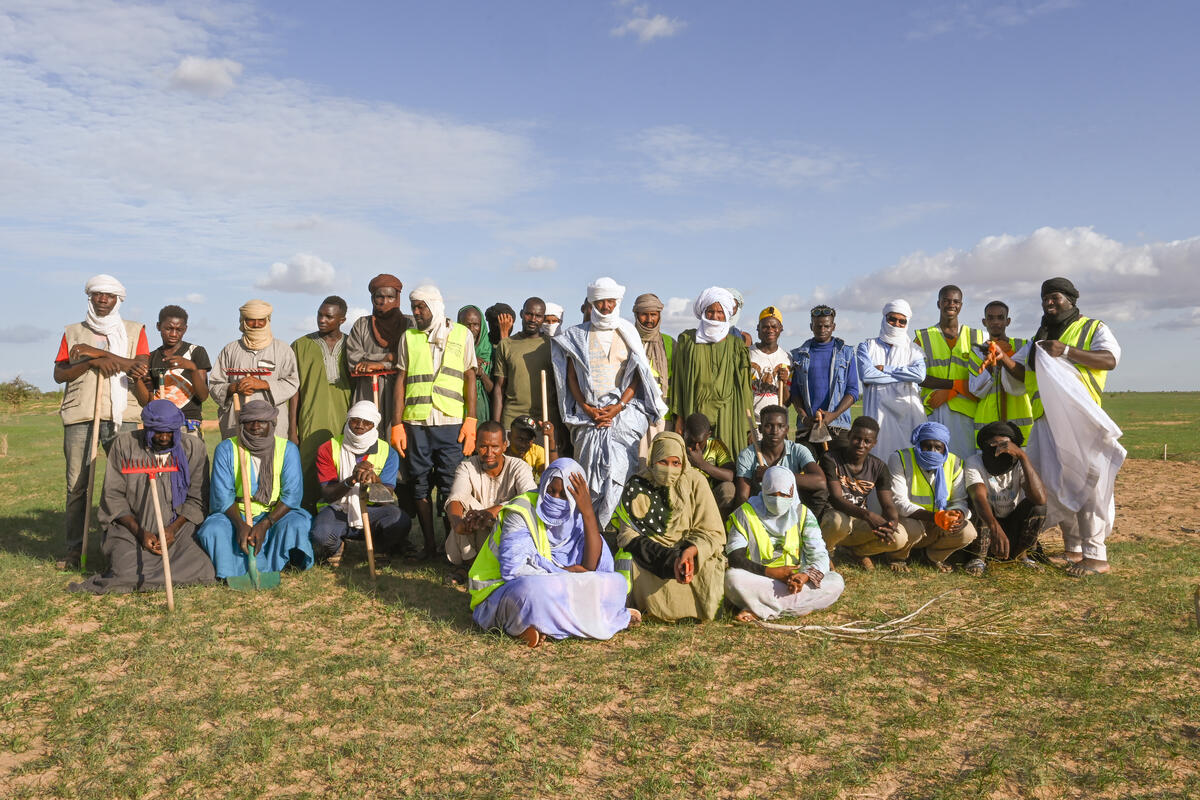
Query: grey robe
point(361, 346)
point(283, 382)
point(131, 566)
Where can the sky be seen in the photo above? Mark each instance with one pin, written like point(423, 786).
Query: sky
point(206, 153)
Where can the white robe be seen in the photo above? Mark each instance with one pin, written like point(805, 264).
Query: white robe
point(891, 395)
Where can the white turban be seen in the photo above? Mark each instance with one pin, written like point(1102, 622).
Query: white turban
point(112, 328)
point(711, 331)
point(553, 310)
point(365, 409)
point(605, 289)
point(889, 334)
point(739, 305)
point(431, 296)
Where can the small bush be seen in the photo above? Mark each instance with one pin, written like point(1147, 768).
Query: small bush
point(18, 391)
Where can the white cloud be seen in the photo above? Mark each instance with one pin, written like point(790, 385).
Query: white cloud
point(302, 273)
point(541, 264)
point(981, 17)
point(354, 312)
point(677, 311)
point(194, 297)
point(593, 228)
point(679, 155)
point(909, 213)
point(209, 77)
point(648, 28)
point(24, 334)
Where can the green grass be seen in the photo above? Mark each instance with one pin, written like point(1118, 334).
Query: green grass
point(329, 687)
point(1150, 420)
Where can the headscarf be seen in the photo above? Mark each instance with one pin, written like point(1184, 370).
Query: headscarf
point(932, 459)
point(387, 326)
point(483, 345)
point(665, 445)
point(439, 327)
point(163, 416)
point(896, 336)
point(652, 339)
point(711, 331)
point(998, 465)
point(261, 447)
point(778, 514)
point(552, 310)
point(255, 338)
point(112, 328)
point(563, 520)
point(739, 304)
point(605, 289)
point(352, 447)
point(1052, 328)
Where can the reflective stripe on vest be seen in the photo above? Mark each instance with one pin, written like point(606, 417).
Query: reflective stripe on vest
point(746, 520)
point(484, 576)
point(256, 507)
point(623, 564)
point(954, 364)
point(378, 459)
point(1017, 408)
point(1079, 335)
point(920, 492)
point(424, 390)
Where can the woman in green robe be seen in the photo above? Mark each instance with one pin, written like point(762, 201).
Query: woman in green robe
point(473, 318)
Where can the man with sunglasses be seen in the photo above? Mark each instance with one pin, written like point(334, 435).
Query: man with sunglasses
point(824, 382)
point(891, 365)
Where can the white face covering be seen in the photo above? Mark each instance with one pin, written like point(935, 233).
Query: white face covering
point(552, 310)
point(605, 289)
point(892, 335)
point(782, 512)
point(353, 446)
point(711, 331)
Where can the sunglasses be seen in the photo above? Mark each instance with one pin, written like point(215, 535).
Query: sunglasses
point(898, 321)
point(823, 311)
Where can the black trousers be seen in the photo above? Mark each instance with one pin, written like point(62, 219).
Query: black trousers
point(1022, 528)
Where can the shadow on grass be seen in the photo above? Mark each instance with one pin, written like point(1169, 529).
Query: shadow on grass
point(37, 533)
point(419, 588)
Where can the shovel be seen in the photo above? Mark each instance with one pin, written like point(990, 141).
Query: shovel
point(254, 579)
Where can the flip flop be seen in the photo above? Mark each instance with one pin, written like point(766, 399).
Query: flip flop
point(976, 567)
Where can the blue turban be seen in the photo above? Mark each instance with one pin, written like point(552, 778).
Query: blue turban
point(932, 459)
point(163, 416)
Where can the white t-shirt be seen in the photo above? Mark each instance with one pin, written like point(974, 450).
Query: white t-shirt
point(1003, 491)
point(764, 383)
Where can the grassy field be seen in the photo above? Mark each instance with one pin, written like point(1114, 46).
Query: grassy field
point(332, 687)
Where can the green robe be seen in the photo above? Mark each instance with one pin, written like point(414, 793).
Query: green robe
point(713, 379)
point(323, 407)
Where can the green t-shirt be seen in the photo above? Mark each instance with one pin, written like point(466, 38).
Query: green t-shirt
point(519, 360)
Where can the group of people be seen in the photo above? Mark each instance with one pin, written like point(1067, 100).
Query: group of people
point(588, 474)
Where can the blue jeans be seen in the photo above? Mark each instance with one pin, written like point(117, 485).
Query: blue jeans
point(432, 447)
point(77, 446)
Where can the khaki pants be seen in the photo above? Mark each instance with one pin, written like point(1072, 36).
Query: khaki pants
point(461, 548)
point(839, 528)
point(938, 544)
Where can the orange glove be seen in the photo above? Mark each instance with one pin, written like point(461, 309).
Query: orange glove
point(466, 435)
point(939, 397)
point(960, 388)
point(947, 518)
point(399, 438)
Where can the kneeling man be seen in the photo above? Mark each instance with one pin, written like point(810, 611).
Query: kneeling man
point(1008, 498)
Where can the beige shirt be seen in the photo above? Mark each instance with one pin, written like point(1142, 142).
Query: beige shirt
point(477, 490)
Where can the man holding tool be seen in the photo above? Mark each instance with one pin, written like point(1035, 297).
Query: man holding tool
point(256, 365)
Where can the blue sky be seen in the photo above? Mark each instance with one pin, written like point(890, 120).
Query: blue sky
point(852, 152)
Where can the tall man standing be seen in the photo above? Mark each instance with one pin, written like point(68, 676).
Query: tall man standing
point(1002, 398)
point(433, 421)
point(257, 350)
point(517, 364)
point(101, 355)
point(944, 392)
point(890, 367)
point(372, 343)
point(318, 410)
point(660, 348)
point(824, 382)
point(770, 365)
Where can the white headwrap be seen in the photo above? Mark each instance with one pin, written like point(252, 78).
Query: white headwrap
point(353, 446)
point(112, 328)
point(553, 310)
point(891, 335)
point(439, 328)
point(711, 331)
point(605, 289)
point(778, 479)
point(739, 305)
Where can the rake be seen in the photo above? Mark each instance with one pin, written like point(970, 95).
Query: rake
point(375, 381)
point(151, 468)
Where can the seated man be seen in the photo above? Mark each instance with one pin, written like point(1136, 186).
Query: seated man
point(130, 541)
point(347, 463)
point(778, 564)
point(522, 444)
point(709, 454)
point(483, 484)
point(927, 482)
point(279, 533)
point(775, 449)
point(1007, 495)
point(852, 474)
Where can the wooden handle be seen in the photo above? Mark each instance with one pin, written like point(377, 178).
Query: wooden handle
point(91, 475)
point(366, 521)
point(162, 541)
point(545, 416)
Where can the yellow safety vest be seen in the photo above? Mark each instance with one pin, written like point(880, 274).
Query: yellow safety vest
point(484, 576)
point(424, 390)
point(1078, 334)
point(762, 549)
point(920, 492)
point(378, 459)
point(954, 364)
point(1017, 408)
point(256, 507)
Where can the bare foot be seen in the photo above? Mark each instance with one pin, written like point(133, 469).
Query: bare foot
point(898, 566)
point(1088, 566)
point(745, 616)
point(941, 566)
point(532, 637)
point(635, 617)
point(866, 564)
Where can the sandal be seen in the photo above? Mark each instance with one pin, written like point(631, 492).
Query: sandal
point(1029, 563)
point(532, 637)
point(976, 567)
point(898, 566)
point(635, 617)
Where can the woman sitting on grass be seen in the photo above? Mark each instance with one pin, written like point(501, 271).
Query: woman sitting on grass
point(778, 564)
point(545, 572)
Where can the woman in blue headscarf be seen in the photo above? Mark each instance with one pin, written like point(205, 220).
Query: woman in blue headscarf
point(545, 571)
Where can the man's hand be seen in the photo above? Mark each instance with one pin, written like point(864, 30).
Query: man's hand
point(367, 367)
point(150, 541)
point(107, 365)
point(783, 574)
point(466, 435)
point(685, 565)
point(505, 323)
point(249, 385)
point(1009, 448)
point(820, 416)
point(547, 428)
point(179, 362)
point(477, 521)
point(695, 455)
point(797, 581)
point(1054, 347)
point(999, 546)
point(364, 473)
point(253, 536)
point(578, 489)
point(138, 371)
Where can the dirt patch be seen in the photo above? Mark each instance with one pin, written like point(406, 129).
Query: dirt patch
point(1157, 501)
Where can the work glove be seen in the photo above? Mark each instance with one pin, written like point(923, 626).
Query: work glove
point(466, 435)
point(399, 438)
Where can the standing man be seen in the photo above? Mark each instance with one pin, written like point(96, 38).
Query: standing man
point(518, 363)
point(890, 367)
point(1002, 398)
point(824, 382)
point(433, 421)
point(257, 350)
point(100, 355)
point(318, 410)
point(770, 365)
point(372, 343)
point(1091, 350)
point(178, 370)
point(660, 348)
point(553, 319)
point(947, 347)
